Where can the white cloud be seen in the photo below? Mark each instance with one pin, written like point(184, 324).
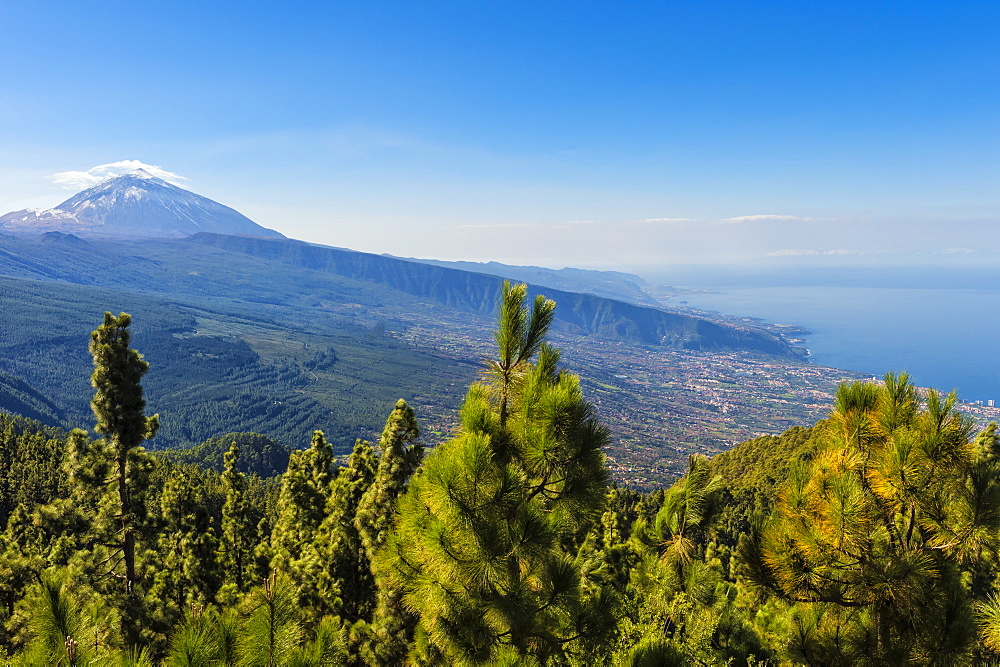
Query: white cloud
point(569, 224)
point(79, 180)
point(499, 225)
point(800, 253)
point(791, 253)
point(667, 221)
point(956, 251)
point(765, 218)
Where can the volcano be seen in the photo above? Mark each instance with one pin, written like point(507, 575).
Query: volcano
point(136, 205)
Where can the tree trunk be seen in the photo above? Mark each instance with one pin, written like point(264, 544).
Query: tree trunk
point(128, 620)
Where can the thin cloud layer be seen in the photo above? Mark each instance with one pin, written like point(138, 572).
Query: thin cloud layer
point(667, 221)
point(499, 225)
point(801, 253)
point(767, 217)
point(80, 180)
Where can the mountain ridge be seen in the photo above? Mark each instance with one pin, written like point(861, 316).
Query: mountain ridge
point(585, 314)
point(616, 285)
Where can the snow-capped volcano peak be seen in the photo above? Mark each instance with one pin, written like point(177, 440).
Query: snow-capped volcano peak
point(136, 204)
point(139, 175)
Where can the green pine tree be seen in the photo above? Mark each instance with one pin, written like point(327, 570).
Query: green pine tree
point(400, 453)
point(188, 574)
point(119, 408)
point(238, 536)
point(301, 509)
point(344, 580)
point(272, 632)
point(391, 628)
point(480, 546)
point(305, 491)
point(882, 530)
point(56, 625)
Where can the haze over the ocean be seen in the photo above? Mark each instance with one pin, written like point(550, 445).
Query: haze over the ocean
point(553, 133)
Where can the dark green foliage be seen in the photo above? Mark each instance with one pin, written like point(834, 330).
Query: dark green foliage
point(19, 398)
point(118, 403)
point(238, 537)
point(259, 454)
point(188, 575)
point(119, 407)
point(30, 460)
point(344, 578)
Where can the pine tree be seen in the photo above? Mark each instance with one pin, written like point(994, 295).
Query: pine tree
point(689, 506)
point(189, 574)
point(479, 543)
point(194, 642)
point(56, 626)
point(305, 491)
point(391, 627)
point(400, 453)
point(119, 408)
point(302, 508)
point(272, 632)
point(343, 577)
point(236, 541)
point(885, 525)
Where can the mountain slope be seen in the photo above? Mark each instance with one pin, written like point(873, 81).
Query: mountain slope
point(220, 366)
point(583, 314)
point(608, 284)
point(285, 271)
point(19, 398)
point(135, 205)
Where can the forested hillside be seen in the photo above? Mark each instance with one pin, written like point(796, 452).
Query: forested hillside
point(295, 377)
point(283, 338)
point(870, 537)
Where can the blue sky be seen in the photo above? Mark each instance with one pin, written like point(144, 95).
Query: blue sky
point(589, 134)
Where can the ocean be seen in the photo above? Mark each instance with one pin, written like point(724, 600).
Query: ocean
point(945, 337)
